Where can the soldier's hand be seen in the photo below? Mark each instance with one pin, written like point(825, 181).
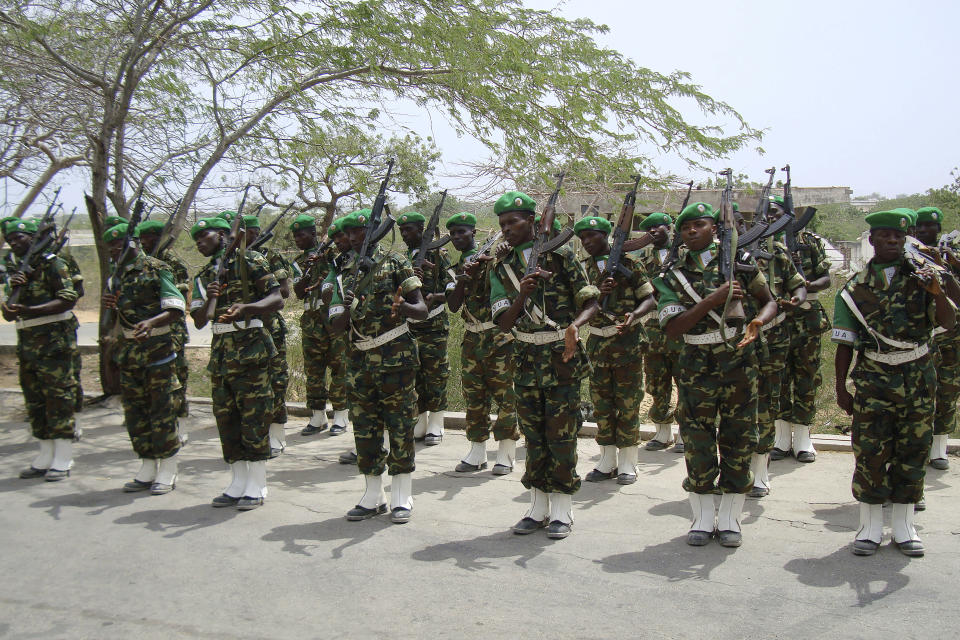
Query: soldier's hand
point(235, 313)
point(213, 290)
point(418, 271)
point(502, 250)
point(607, 286)
point(348, 298)
point(570, 338)
point(431, 298)
point(18, 279)
point(428, 264)
point(627, 321)
point(109, 300)
point(719, 296)
point(326, 294)
point(528, 284)
point(142, 330)
point(751, 333)
point(844, 399)
point(398, 303)
point(11, 311)
point(475, 268)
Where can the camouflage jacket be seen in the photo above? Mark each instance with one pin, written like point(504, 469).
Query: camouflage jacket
point(318, 272)
point(435, 280)
point(145, 288)
point(813, 260)
point(951, 336)
point(181, 278)
point(560, 298)
point(237, 350)
point(476, 299)
point(50, 280)
point(281, 271)
point(650, 262)
point(370, 314)
point(621, 348)
point(782, 278)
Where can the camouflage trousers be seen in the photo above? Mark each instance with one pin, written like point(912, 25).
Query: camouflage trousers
point(892, 431)
point(339, 348)
point(316, 342)
point(487, 377)
point(182, 369)
point(616, 392)
point(78, 386)
point(548, 421)
point(659, 362)
point(948, 387)
point(383, 400)
point(717, 415)
point(150, 402)
point(769, 388)
point(434, 370)
point(801, 377)
point(243, 403)
point(279, 374)
point(48, 383)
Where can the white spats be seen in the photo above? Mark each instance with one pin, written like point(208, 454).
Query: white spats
point(608, 459)
point(278, 437)
point(759, 465)
point(937, 452)
point(148, 470)
point(782, 435)
point(477, 454)
point(62, 454)
point(561, 508)
point(435, 423)
point(664, 432)
point(341, 417)
point(627, 461)
point(45, 457)
point(901, 521)
point(373, 494)
point(167, 471)
point(704, 511)
point(318, 418)
point(401, 491)
point(420, 429)
point(728, 515)
point(871, 522)
point(679, 441)
point(539, 505)
point(801, 439)
point(506, 453)
point(256, 486)
point(238, 479)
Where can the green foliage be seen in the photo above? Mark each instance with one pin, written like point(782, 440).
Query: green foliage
point(839, 221)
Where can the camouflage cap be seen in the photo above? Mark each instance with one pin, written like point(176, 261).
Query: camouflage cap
point(116, 232)
point(464, 218)
point(654, 220)
point(695, 210)
point(929, 214)
point(514, 201)
point(205, 224)
point(410, 217)
point(148, 226)
point(897, 219)
point(592, 223)
point(303, 221)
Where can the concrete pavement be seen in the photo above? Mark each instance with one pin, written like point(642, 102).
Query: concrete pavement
point(85, 560)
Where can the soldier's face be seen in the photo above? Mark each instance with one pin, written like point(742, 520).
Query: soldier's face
point(517, 227)
point(252, 234)
point(595, 242)
point(887, 244)
point(698, 233)
point(20, 243)
point(148, 241)
point(342, 240)
point(356, 235)
point(462, 237)
point(412, 233)
point(115, 247)
point(660, 233)
point(927, 232)
point(208, 242)
point(305, 238)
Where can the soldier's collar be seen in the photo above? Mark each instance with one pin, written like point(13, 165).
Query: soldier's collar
point(469, 252)
point(603, 257)
point(520, 247)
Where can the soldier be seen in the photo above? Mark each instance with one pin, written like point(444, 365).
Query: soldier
point(616, 382)
point(486, 356)
point(279, 374)
point(659, 354)
point(801, 378)
point(382, 371)
point(545, 311)
point(149, 233)
point(430, 334)
point(713, 381)
point(786, 285)
point(147, 304)
point(240, 358)
point(948, 346)
point(886, 313)
point(46, 340)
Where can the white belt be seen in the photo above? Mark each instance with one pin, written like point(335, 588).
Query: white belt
point(709, 338)
point(647, 318)
point(382, 339)
point(433, 314)
point(36, 322)
point(230, 327)
point(314, 304)
point(938, 330)
point(780, 318)
point(898, 357)
point(539, 337)
point(479, 327)
point(605, 332)
point(129, 333)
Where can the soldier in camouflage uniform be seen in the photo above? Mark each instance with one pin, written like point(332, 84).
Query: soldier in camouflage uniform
point(382, 370)
point(659, 354)
point(46, 340)
point(886, 313)
point(431, 334)
point(787, 288)
point(947, 343)
point(806, 324)
point(486, 355)
point(240, 357)
point(544, 311)
point(616, 382)
point(717, 384)
point(147, 305)
point(149, 233)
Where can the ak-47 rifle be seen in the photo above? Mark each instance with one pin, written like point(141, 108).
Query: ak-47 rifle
point(614, 265)
point(428, 239)
point(374, 231)
point(542, 233)
point(166, 234)
point(41, 242)
point(727, 235)
point(677, 240)
point(483, 249)
point(796, 225)
point(63, 237)
point(749, 242)
point(107, 318)
point(267, 234)
point(234, 240)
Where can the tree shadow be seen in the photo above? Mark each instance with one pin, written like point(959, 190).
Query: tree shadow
point(480, 552)
point(654, 463)
point(674, 560)
point(842, 567)
point(174, 523)
point(679, 508)
point(449, 483)
point(95, 502)
point(841, 518)
point(300, 539)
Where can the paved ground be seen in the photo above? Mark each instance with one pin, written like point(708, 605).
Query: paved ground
point(85, 560)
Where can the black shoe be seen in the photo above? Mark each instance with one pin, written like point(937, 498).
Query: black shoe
point(912, 548)
point(940, 464)
point(247, 504)
point(677, 448)
point(348, 458)
point(865, 547)
point(466, 467)
point(656, 445)
point(528, 526)
point(730, 538)
point(275, 453)
point(626, 478)
point(806, 456)
point(598, 476)
point(558, 530)
point(778, 454)
point(362, 513)
point(921, 505)
point(55, 475)
point(158, 488)
point(309, 430)
point(698, 538)
point(223, 500)
point(136, 485)
point(501, 470)
point(432, 440)
point(759, 492)
point(400, 515)
point(33, 473)
point(337, 430)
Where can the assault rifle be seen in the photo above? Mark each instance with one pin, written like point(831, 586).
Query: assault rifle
point(796, 225)
point(230, 247)
point(267, 234)
point(542, 233)
point(166, 234)
point(42, 240)
point(107, 318)
point(427, 240)
point(677, 240)
point(614, 264)
point(727, 235)
point(63, 237)
point(374, 231)
point(483, 249)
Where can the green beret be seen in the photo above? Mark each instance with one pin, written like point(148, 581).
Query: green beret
point(8, 222)
point(929, 214)
point(556, 223)
point(655, 219)
point(148, 226)
point(303, 221)
point(694, 211)
point(592, 223)
point(209, 223)
point(778, 200)
point(116, 232)
point(112, 221)
point(897, 219)
point(514, 201)
point(227, 215)
point(358, 218)
point(464, 218)
point(251, 222)
point(736, 207)
point(411, 216)
point(910, 213)
point(19, 225)
point(336, 226)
